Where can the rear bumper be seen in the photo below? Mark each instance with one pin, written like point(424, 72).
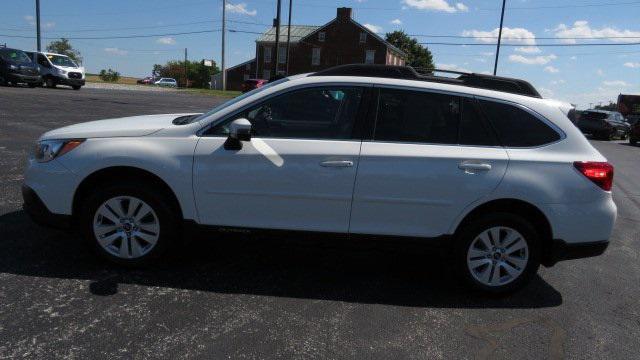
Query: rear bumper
point(39, 212)
point(561, 250)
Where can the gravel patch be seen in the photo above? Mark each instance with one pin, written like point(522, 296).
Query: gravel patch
point(92, 85)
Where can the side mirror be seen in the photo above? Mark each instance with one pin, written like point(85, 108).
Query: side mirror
point(239, 130)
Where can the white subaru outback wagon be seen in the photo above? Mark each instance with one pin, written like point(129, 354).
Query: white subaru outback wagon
point(479, 161)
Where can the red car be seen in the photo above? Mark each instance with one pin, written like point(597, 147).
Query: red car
point(252, 84)
point(146, 81)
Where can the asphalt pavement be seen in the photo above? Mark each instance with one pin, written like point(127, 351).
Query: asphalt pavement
point(244, 297)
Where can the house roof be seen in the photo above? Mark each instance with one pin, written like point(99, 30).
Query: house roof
point(298, 32)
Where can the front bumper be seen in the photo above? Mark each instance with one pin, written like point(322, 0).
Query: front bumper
point(39, 212)
point(21, 78)
point(561, 250)
point(70, 82)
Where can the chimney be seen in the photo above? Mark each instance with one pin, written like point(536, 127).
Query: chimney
point(344, 14)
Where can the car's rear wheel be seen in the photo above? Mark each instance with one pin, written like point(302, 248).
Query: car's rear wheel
point(498, 253)
point(76, 87)
point(129, 225)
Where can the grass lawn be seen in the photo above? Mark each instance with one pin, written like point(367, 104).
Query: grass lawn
point(228, 93)
point(132, 81)
point(123, 79)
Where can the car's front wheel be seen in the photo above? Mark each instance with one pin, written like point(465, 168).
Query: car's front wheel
point(498, 253)
point(128, 225)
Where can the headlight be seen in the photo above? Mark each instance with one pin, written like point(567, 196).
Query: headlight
point(13, 67)
point(47, 150)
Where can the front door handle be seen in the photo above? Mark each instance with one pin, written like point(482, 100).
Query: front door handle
point(337, 163)
point(472, 166)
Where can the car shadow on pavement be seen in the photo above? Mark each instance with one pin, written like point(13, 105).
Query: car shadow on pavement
point(372, 272)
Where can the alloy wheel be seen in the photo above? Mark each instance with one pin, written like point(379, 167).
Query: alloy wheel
point(126, 227)
point(497, 256)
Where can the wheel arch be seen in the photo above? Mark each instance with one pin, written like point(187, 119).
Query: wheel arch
point(518, 207)
point(114, 173)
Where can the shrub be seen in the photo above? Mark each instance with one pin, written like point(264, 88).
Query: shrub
point(109, 75)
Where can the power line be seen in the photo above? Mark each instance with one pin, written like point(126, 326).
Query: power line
point(538, 45)
point(117, 37)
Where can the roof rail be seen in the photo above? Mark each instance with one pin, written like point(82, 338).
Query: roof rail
point(482, 81)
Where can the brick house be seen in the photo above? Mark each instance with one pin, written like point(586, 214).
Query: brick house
point(313, 48)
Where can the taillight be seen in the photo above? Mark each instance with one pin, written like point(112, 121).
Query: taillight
point(600, 173)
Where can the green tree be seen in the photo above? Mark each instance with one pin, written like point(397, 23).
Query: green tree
point(109, 75)
point(199, 75)
point(63, 46)
point(418, 56)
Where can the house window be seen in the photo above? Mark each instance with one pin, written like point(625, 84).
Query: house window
point(282, 55)
point(246, 77)
point(363, 37)
point(267, 54)
point(321, 36)
point(315, 56)
point(266, 74)
point(369, 57)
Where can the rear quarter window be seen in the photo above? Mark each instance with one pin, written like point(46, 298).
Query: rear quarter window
point(516, 127)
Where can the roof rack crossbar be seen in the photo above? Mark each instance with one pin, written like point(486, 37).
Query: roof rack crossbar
point(482, 81)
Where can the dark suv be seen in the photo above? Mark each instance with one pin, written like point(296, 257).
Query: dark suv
point(602, 124)
point(16, 67)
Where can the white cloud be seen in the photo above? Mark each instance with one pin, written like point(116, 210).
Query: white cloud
point(618, 83)
point(533, 60)
point(374, 28)
point(115, 51)
point(511, 35)
point(558, 82)
point(581, 28)
point(547, 93)
point(435, 5)
point(574, 57)
point(487, 53)
point(396, 22)
point(528, 49)
point(462, 7)
point(600, 72)
point(551, 69)
point(167, 40)
point(452, 67)
point(241, 8)
point(31, 20)
point(632, 65)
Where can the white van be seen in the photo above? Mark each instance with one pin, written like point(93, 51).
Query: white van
point(58, 69)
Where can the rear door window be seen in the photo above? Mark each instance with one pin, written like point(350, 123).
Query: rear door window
point(474, 130)
point(517, 127)
point(417, 116)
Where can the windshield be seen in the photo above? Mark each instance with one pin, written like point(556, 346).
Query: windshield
point(15, 55)
point(238, 98)
point(59, 60)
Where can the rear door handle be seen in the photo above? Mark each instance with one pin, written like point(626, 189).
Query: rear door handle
point(468, 166)
point(337, 163)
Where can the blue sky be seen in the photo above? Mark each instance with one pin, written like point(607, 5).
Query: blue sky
point(577, 74)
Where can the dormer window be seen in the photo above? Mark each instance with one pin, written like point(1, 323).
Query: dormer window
point(363, 37)
point(321, 36)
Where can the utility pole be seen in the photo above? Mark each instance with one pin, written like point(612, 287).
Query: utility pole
point(186, 77)
point(38, 23)
point(224, 32)
point(288, 37)
point(274, 71)
point(495, 66)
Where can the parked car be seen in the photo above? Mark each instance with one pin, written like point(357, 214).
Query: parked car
point(252, 84)
point(634, 133)
point(629, 107)
point(16, 67)
point(503, 179)
point(147, 81)
point(59, 69)
point(603, 124)
point(169, 82)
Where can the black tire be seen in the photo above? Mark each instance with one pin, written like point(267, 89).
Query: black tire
point(76, 87)
point(168, 222)
point(468, 233)
point(50, 82)
point(32, 85)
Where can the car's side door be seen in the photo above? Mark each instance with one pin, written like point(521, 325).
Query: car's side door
point(430, 156)
point(298, 170)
